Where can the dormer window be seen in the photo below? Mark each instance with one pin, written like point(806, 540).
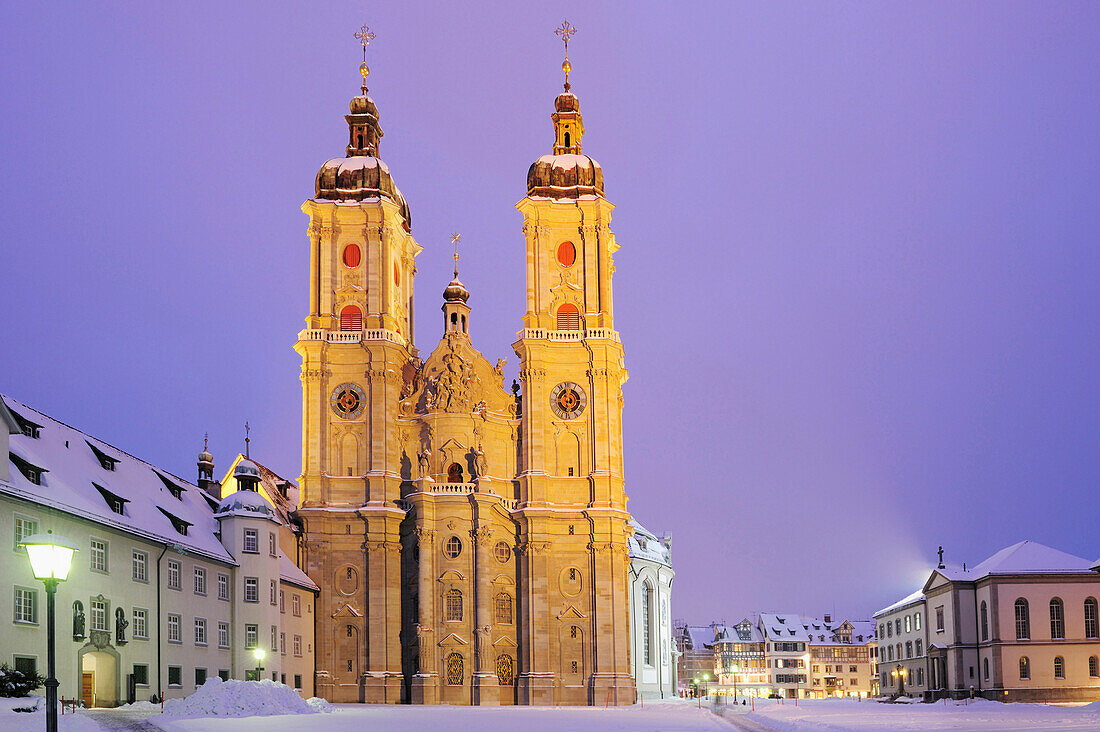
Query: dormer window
point(174, 488)
point(105, 461)
point(177, 523)
point(30, 471)
point(27, 427)
point(115, 501)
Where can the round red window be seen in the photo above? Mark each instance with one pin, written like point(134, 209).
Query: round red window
point(567, 253)
point(351, 255)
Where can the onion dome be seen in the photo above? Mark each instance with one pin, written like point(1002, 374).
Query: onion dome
point(247, 503)
point(456, 291)
point(567, 173)
point(246, 471)
point(361, 174)
point(205, 458)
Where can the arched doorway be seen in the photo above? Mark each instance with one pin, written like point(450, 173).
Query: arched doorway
point(99, 680)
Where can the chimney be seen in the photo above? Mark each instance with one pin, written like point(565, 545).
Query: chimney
point(828, 618)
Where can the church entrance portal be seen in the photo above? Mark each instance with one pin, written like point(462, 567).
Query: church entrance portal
point(99, 679)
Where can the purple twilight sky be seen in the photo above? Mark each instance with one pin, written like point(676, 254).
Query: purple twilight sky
point(858, 284)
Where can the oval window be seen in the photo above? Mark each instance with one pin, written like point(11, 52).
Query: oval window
point(567, 253)
point(352, 255)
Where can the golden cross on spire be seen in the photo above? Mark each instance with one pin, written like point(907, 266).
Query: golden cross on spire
point(455, 238)
point(365, 36)
point(566, 32)
point(205, 440)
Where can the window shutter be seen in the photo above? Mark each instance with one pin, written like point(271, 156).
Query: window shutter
point(569, 318)
point(351, 318)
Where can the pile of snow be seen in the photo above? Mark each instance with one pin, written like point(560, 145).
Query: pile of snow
point(217, 698)
point(139, 706)
point(35, 721)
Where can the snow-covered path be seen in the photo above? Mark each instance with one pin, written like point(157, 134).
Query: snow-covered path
point(113, 719)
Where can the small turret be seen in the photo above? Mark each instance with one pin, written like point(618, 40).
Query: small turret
point(456, 313)
point(206, 480)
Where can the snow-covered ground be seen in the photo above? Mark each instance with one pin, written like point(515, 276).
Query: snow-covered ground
point(666, 717)
point(13, 721)
point(848, 715)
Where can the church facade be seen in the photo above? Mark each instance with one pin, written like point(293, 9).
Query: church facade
point(469, 539)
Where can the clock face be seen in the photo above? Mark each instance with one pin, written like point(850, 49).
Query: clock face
point(347, 401)
point(568, 400)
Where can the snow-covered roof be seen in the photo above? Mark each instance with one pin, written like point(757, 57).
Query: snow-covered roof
point(1025, 557)
point(816, 631)
point(909, 599)
point(644, 544)
point(291, 573)
point(744, 631)
point(700, 636)
point(245, 503)
point(155, 503)
point(281, 494)
point(783, 627)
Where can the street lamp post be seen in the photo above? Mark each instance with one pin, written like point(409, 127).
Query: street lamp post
point(259, 654)
point(50, 557)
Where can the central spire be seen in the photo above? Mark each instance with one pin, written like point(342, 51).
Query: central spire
point(568, 124)
point(364, 132)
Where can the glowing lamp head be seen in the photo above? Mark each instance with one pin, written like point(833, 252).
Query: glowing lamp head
point(50, 555)
point(706, 677)
point(258, 654)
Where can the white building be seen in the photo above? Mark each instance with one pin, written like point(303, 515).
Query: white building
point(653, 652)
point(787, 645)
point(171, 583)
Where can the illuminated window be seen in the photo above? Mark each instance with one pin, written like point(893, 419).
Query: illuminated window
point(351, 318)
point(452, 605)
point(1025, 668)
point(455, 669)
point(504, 608)
point(454, 473)
point(569, 318)
point(506, 669)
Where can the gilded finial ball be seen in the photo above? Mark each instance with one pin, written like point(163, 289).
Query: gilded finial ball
point(566, 66)
point(364, 69)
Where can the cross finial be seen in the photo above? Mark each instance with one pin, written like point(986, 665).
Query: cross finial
point(205, 440)
point(566, 32)
point(940, 552)
point(247, 431)
point(455, 238)
point(365, 36)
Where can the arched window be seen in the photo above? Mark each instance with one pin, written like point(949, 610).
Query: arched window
point(908, 623)
point(454, 473)
point(506, 670)
point(452, 605)
point(569, 318)
point(359, 140)
point(985, 622)
point(1025, 668)
point(352, 255)
point(504, 608)
point(1090, 618)
point(916, 621)
point(647, 599)
point(1057, 619)
point(1023, 622)
point(1059, 667)
point(567, 139)
point(351, 318)
point(1094, 667)
point(456, 669)
point(985, 669)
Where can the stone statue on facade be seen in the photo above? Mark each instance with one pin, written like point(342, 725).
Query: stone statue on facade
point(121, 623)
point(480, 461)
point(424, 463)
point(78, 620)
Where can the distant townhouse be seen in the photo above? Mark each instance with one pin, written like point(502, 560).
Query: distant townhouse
point(787, 645)
point(841, 658)
point(740, 663)
point(654, 653)
point(902, 644)
point(172, 583)
point(695, 644)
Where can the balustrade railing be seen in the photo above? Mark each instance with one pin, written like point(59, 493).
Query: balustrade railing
point(569, 335)
point(352, 336)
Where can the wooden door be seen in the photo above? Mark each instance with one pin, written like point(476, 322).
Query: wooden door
point(87, 688)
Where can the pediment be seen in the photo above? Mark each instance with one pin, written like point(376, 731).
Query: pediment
point(456, 378)
point(503, 579)
point(504, 642)
point(453, 639)
point(570, 613)
point(452, 444)
point(346, 611)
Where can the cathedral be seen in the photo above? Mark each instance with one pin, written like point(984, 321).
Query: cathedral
point(469, 538)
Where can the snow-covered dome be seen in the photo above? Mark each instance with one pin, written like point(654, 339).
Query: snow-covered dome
point(247, 503)
point(565, 176)
point(246, 470)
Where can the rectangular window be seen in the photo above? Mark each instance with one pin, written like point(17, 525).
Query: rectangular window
point(916, 621)
point(908, 649)
point(297, 681)
point(223, 586)
point(140, 616)
point(251, 589)
point(920, 648)
point(173, 628)
point(223, 635)
point(251, 541)
point(99, 555)
point(25, 664)
point(272, 545)
point(24, 527)
point(200, 631)
point(274, 639)
point(295, 605)
point(99, 615)
point(273, 593)
point(173, 574)
point(200, 581)
point(141, 674)
point(26, 605)
point(297, 645)
point(282, 644)
point(939, 619)
point(200, 676)
point(251, 636)
point(908, 623)
point(282, 601)
point(140, 563)
point(175, 676)
point(223, 674)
